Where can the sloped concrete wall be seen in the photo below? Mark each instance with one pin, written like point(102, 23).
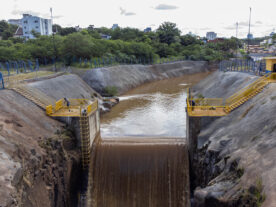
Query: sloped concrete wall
point(126, 77)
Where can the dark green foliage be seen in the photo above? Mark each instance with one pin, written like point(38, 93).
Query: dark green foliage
point(128, 45)
point(67, 31)
point(168, 33)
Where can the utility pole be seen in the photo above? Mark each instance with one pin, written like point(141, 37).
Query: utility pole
point(248, 39)
point(237, 32)
point(54, 42)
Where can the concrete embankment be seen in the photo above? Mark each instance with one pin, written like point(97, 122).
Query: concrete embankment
point(126, 77)
point(39, 156)
point(235, 161)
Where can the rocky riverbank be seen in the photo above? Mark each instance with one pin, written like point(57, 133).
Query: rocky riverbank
point(235, 160)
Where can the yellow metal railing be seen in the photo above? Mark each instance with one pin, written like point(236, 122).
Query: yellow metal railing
point(217, 107)
point(49, 110)
point(76, 106)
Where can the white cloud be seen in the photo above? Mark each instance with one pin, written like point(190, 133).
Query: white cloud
point(198, 16)
point(165, 7)
point(125, 13)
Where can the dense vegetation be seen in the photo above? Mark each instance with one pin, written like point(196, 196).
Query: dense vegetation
point(125, 43)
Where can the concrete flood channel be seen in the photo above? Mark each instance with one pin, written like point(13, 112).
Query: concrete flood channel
point(142, 157)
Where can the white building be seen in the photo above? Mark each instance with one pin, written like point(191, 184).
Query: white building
point(15, 22)
point(31, 23)
point(211, 35)
point(115, 26)
point(105, 36)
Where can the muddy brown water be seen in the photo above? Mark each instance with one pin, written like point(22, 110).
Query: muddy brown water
point(142, 159)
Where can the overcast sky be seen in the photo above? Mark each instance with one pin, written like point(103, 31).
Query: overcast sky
point(196, 16)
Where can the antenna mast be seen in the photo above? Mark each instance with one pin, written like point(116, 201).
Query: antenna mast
point(248, 39)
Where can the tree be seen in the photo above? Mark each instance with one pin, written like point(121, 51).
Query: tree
point(7, 30)
point(56, 28)
point(6, 34)
point(3, 26)
point(67, 30)
point(168, 32)
point(189, 40)
point(77, 45)
point(35, 33)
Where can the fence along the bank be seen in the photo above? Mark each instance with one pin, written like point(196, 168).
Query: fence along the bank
point(15, 67)
point(24, 66)
point(256, 67)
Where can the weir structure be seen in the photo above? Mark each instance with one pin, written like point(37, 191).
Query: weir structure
point(83, 113)
point(87, 114)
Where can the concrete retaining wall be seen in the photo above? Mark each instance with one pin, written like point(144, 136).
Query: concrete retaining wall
point(126, 77)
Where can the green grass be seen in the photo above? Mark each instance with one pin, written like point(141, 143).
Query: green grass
point(258, 194)
point(111, 90)
point(273, 98)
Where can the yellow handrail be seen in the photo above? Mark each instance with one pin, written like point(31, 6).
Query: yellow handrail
point(207, 105)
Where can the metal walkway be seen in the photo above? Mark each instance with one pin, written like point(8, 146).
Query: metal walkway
point(200, 107)
point(75, 108)
point(34, 95)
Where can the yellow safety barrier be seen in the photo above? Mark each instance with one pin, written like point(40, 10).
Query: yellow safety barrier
point(92, 107)
point(49, 110)
point(73, 110)
point(59, 105)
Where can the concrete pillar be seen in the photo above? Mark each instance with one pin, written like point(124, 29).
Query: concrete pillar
point(192, 131)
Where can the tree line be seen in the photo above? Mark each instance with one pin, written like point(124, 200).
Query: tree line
point(125, 43)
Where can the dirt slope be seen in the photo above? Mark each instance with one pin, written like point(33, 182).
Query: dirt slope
point(235, 164)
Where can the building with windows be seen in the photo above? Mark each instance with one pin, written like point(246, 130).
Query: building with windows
point(114, 26)
point(211, 35)
point(31, 23)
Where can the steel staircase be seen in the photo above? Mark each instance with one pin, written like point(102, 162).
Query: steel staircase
point(34, 95)
point(245, 94)
point(85, 140)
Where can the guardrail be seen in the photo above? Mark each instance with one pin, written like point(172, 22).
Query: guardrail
point(72, 107)
point(240, 65)
point(219, 107)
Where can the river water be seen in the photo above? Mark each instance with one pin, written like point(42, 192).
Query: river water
point(153, 109)
point(142, 159)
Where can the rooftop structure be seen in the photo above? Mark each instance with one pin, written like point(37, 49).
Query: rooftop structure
point(211, 35)
point(148, 29)
point(15, 22)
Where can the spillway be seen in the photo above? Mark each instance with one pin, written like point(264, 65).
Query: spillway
point(140, 172)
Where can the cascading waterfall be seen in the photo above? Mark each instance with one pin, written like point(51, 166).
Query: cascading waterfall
point(140, 172)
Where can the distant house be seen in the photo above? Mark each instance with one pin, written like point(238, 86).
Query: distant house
point(105, 36)
point(216, 40)
point(78, 28)
point(148, 29)
point(114, 26)
point(250, 36)
point(15, 22)
point(211, 35)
